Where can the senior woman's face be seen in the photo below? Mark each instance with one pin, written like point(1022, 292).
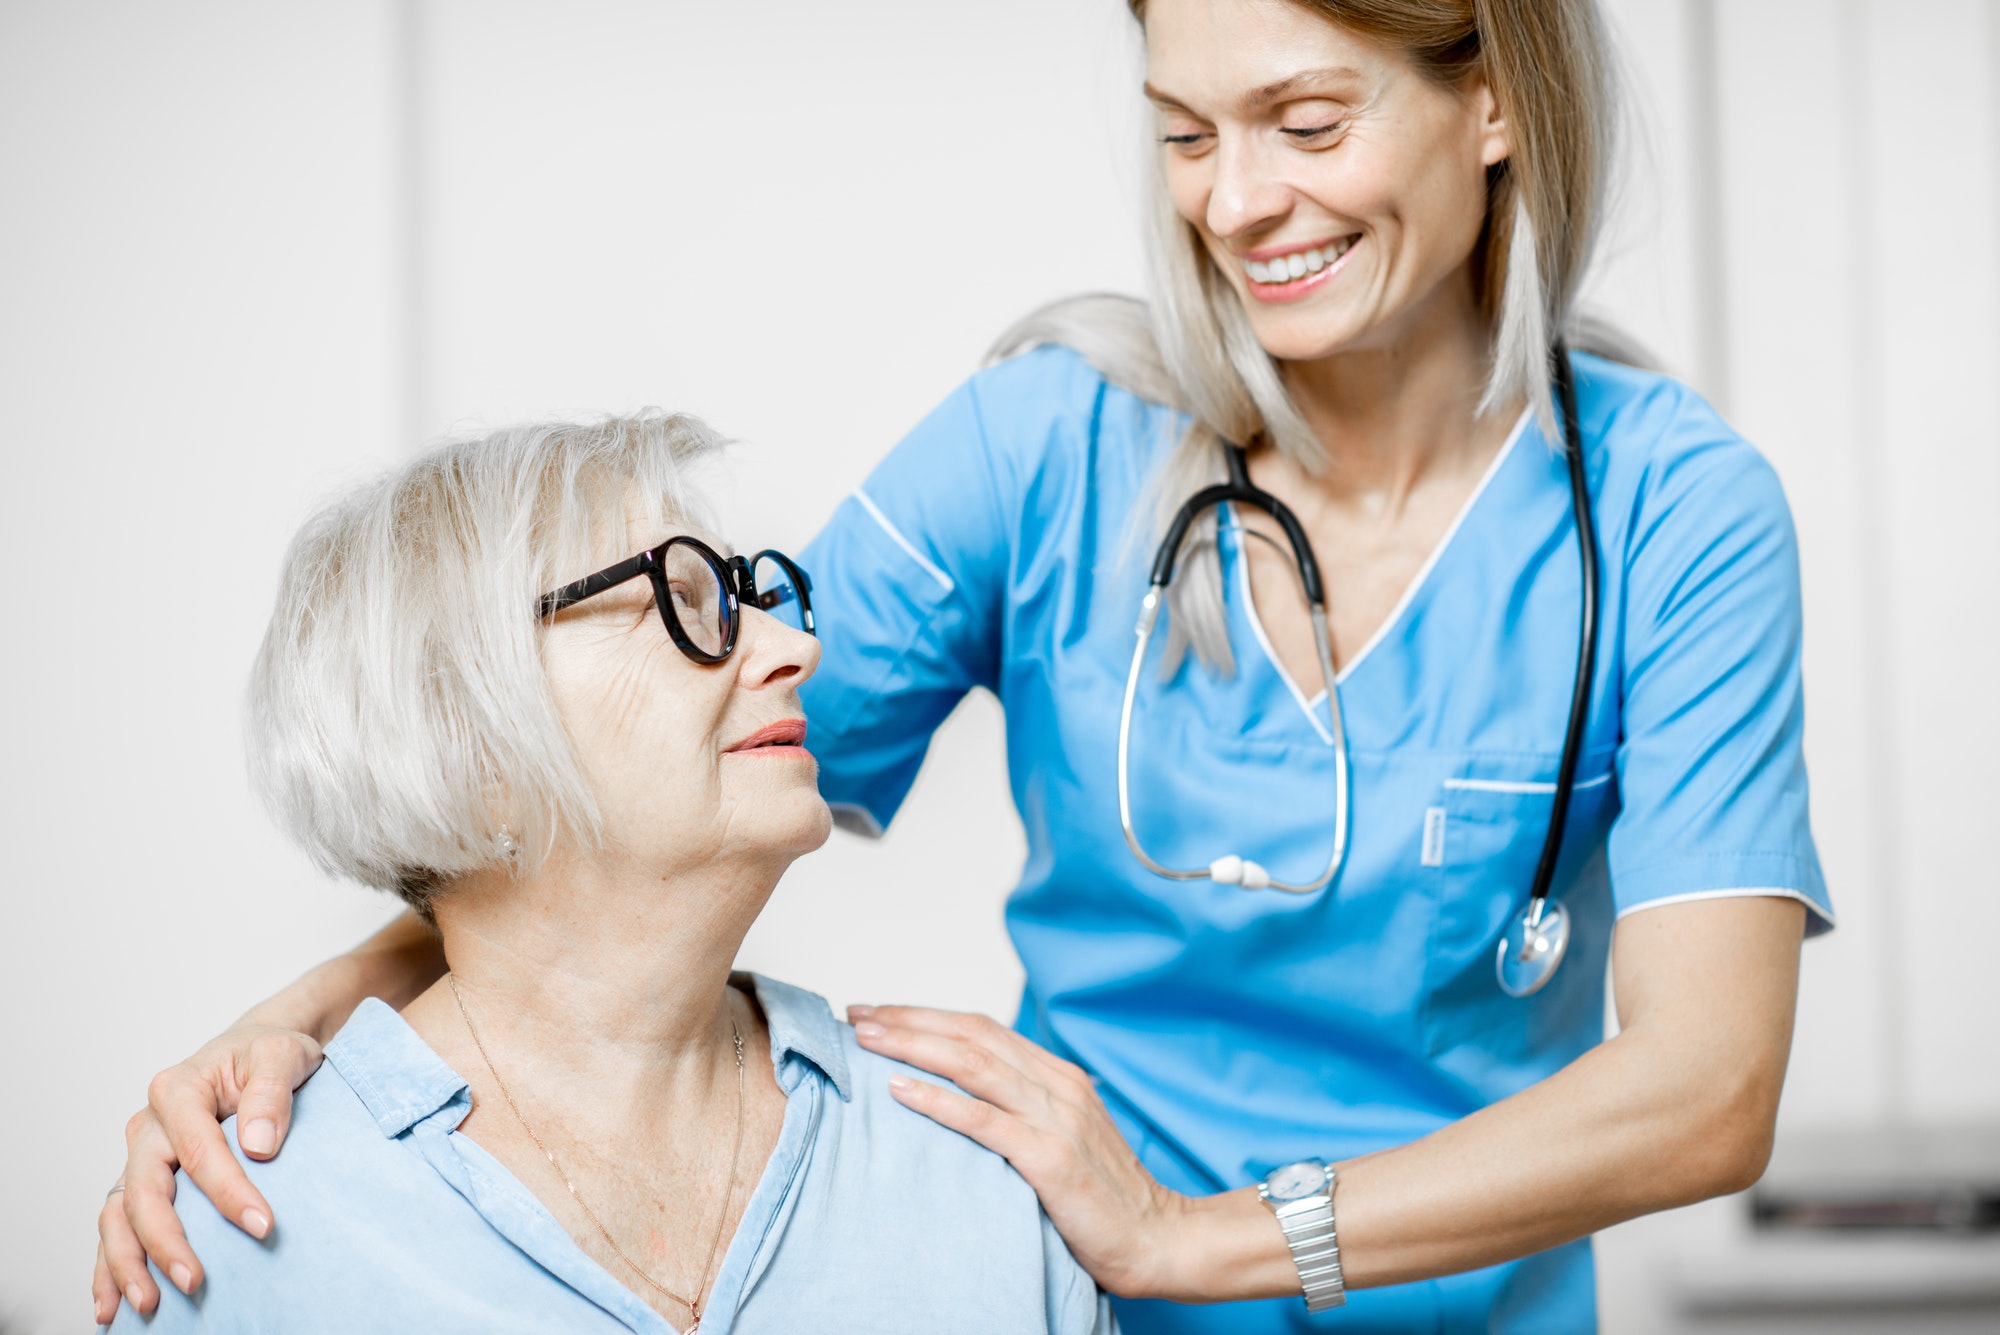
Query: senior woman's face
point(1293, 144)
point(691, 764)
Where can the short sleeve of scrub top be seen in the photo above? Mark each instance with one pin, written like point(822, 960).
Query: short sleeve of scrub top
point(1711, 767)
point(1232, 1030)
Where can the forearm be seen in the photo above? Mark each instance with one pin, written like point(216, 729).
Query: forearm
point(1680, 1106)
point(1603, 1141)
point(396, 964)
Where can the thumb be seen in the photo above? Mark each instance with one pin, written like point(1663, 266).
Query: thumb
point(279, 1063)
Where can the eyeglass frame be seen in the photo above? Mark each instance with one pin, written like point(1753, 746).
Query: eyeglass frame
point(735, 574)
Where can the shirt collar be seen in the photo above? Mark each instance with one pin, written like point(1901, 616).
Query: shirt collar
point(801, 1025)
point(393, 1072)
point(401, 1081)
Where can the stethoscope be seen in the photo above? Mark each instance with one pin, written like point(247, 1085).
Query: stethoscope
point(1534, 942)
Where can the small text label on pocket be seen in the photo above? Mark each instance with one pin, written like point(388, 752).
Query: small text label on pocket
point(1434, 836)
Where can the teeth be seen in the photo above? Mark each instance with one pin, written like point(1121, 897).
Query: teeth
point(1291, 268)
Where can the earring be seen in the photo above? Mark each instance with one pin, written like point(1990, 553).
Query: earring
point(503, 843)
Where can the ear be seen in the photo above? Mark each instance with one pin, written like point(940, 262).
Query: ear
point(1496, 140)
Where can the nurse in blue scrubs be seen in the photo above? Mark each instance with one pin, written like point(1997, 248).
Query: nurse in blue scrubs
point(1372, 219)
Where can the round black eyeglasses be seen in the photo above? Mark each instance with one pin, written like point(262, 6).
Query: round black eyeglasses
point(699, 593)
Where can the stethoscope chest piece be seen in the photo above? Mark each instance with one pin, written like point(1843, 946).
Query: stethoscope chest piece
point(1532, 947)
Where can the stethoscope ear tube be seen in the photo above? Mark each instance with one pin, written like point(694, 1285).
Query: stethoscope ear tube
point(1586, 651)
point(1534, 943)
point(1239, 493)
point(1233, 869)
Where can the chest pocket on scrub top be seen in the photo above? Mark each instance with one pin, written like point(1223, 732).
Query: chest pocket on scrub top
point(1482, 836)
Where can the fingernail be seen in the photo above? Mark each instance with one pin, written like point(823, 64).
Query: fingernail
point(132, 1294)
point(182, 1277)
point(860, 1012)
point(260, 1137)
point(901, 1083)
point(256, 1223)
point(869, 1029)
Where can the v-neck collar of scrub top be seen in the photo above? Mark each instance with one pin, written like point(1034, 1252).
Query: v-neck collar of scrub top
point(1312, 706)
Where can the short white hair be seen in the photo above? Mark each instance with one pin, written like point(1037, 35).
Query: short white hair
point(400, 719)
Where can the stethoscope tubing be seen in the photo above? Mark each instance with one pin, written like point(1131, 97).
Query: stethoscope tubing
point(1586, 652)
point(1240, 490)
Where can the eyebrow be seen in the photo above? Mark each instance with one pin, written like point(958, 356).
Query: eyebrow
point(1268, 93)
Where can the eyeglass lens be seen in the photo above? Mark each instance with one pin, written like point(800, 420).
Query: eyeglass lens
point(778, 593)
point(698, 600)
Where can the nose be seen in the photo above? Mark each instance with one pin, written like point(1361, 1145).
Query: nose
point(771, 653)
point(1247, 195)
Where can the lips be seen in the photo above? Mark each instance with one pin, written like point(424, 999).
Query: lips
point(789, 732)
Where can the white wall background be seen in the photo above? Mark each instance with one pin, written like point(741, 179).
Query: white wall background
point(251, 250)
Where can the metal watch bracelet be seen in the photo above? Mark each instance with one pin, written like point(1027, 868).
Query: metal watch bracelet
point(1309, 1233)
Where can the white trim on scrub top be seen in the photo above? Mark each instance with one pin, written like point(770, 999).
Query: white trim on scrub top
point(896, 536)
point(1402, 603)
point(1745, 892)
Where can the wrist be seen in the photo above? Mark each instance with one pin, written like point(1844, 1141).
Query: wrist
point(311, 1005)
point(1222, 1248)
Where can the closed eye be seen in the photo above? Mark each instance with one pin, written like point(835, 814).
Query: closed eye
point(1310, 131)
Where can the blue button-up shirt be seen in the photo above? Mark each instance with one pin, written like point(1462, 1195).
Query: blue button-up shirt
point(868, 1217)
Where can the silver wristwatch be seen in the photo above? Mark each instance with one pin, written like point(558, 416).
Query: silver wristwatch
point(1301, 1195)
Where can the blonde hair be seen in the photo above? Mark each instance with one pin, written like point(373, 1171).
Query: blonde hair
point(401, 728)
point(1550, 72)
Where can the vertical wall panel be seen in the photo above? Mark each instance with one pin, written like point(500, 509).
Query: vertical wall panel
point(1792, 273)
point(196, 341)
point(1644, 279)
point(1928, 89)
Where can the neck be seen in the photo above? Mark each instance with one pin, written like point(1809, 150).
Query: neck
point(1405, 406)
point(601, 974)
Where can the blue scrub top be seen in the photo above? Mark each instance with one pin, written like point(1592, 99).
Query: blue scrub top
point(1233, 1030)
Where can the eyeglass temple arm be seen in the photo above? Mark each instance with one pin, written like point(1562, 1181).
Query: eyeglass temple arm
point(591, 585)
point(791, 567)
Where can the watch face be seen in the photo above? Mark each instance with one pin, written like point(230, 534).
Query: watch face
point(1296, 1181)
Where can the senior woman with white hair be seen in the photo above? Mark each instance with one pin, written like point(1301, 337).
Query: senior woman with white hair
point(590, 786)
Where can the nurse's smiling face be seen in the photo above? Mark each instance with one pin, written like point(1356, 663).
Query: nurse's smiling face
point(1338, 190)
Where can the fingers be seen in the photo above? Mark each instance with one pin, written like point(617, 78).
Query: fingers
point(978, 1054)
point(986, 1071)
point(279, 1063)
point(186, 1111)
point(121, 1264)
point(103, 1290)
point(146, 1206)
point(968, 1116)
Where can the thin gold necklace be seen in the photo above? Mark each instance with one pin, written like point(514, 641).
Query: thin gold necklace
point(729, 1190)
